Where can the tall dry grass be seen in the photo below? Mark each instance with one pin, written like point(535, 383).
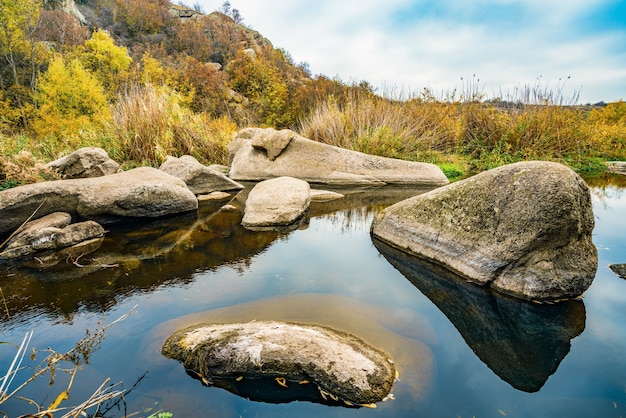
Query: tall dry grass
point(151, 123)
point(472, 131)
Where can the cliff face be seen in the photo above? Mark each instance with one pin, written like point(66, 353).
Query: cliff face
point(67, 6)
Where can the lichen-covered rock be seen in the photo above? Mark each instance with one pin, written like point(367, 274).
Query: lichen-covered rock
point(141, 192)
point(259, 154)
point(340, 364)
point(279, 201)
point(524, 229)
point(199, 178)
point(84, 163)
point(619, 269)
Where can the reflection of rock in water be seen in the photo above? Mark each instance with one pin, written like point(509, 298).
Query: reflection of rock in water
point(521, 342)
point(412, 358)
point(619, 269)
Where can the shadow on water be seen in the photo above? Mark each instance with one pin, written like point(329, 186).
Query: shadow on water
point(521, 342)
point(142, 255)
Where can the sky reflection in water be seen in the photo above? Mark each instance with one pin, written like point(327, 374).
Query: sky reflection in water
point(452, 363)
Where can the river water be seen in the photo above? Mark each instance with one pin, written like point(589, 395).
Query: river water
point(460, 350)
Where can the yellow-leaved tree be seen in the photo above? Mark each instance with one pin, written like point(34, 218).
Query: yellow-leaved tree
point(107, 61)
point(70, 100)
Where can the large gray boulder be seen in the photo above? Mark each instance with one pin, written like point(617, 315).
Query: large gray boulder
point(523, 229)
point(50, 233)
point(141, 192)
point(279, 201)
point(259, 154)
point(85, 162)
point(199, 178)
point(344, 367)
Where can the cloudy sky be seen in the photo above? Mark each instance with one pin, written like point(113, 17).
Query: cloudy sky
point(498, 47)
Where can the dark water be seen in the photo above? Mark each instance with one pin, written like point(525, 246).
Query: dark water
point(460, 351)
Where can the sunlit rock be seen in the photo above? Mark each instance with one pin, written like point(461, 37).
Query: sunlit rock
point(339, 365)
point(523, 229)
point(84, 163)
point(199, 178)
point(279, 201)
point(259, 154)
point(141, 192)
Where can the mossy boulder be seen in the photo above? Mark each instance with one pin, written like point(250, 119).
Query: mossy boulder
point(523, 229)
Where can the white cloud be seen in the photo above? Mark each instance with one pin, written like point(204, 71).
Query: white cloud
point(418, 44)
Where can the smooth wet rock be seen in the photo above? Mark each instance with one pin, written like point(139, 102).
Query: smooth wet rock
point(141, 192)
point(279, 201)
point(259, 154)
point(199, 178)
point(523, 229)
point(339, 363)
point(324, 195)
point(84, 163)
point(50, 233)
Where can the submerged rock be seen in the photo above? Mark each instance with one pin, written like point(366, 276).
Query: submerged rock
point(341, 365)
point(279, 201)
point(259, 154)
point(523, 229)
point(141, 192)
point(199, 178)
point(84, 163)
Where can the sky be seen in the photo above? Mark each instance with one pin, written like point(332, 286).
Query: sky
point(567, 50)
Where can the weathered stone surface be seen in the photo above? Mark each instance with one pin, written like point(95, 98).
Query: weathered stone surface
point(141, 192)
point(199, 178)
point(619, 269)
point(52, 232)
point(337, 362)
point(618, 167)
point(523, 229)
point(279, 201)
point(259, 154)
point(85, 162)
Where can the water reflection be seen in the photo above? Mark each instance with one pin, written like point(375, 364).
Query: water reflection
point(142, 255)
point(521, 342)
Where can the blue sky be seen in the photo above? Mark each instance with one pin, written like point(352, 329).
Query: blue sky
point(500, 47)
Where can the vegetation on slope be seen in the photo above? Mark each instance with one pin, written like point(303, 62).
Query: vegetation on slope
point(154, 79)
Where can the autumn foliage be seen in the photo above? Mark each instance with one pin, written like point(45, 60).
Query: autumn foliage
point(153, 79)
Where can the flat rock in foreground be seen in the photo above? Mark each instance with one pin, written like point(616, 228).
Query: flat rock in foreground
point(141, 192)
point(339, 363)
point(524, 229)
point(260, 154)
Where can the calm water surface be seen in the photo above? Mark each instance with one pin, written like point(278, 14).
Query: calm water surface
point(460, 351)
